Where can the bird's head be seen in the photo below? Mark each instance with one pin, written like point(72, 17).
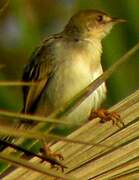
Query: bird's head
point(91, 24)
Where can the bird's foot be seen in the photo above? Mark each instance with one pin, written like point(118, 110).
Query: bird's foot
point(53, 154)
point(47, 152)
point(106, 116)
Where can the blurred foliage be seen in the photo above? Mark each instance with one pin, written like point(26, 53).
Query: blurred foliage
point(24, 23)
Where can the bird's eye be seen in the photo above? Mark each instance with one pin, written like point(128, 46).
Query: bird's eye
point(99, 18)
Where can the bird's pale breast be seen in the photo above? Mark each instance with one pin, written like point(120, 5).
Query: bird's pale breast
point(74, 72)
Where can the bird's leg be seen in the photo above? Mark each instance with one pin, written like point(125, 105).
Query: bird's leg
point(52, 156)
point(106, 116)
point(46, 151)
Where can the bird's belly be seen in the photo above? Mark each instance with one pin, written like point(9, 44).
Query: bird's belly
point(66, 87)
point(65, 84)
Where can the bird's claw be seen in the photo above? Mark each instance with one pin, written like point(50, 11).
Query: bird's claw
point(48, 152)
point(57, 167)
point(106, 116)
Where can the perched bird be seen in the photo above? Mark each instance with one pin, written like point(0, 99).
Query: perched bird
point(67, 62)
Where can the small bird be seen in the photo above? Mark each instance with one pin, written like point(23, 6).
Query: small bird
point(67, 62)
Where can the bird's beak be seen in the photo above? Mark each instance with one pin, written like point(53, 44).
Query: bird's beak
point(117, 20)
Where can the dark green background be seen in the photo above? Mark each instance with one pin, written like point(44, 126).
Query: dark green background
point(24, 23)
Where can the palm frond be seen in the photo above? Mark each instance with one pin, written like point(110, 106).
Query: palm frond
point(120, 158)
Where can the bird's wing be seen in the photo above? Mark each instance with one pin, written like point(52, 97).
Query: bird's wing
point(38, 70)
